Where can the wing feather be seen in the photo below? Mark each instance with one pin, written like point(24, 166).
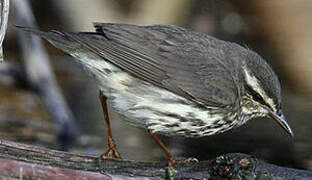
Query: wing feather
point(188, 63)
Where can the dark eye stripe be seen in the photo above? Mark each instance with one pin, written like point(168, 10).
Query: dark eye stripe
point(257, 97)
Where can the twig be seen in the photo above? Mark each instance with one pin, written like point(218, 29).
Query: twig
point(5, 6)
point(39, 74)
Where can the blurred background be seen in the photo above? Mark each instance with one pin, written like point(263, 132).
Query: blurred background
point(280, 31)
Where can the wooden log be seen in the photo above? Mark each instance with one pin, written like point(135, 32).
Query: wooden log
point(22, 170)
point(229, 166)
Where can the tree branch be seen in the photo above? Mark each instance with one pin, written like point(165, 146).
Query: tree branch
point(5, 6)
point(231, 166)
point(22, 170)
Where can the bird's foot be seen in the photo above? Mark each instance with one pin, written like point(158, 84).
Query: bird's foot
point(172, 162)
point(112, 151)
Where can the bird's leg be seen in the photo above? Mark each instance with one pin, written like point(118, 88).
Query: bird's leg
point(171, 161)
point(112, 150)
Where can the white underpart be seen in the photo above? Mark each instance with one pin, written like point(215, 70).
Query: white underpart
point(138, 101)
point(254, 83)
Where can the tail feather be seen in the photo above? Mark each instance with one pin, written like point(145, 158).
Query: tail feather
point(57, 38)
point(32, 30)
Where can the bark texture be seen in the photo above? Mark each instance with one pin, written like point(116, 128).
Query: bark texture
point(19, 160)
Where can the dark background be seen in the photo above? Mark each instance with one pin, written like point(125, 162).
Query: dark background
point(280, 31)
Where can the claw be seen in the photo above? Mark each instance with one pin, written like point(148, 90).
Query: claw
point(111, 153)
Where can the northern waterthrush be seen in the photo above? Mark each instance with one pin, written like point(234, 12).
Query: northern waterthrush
point(174, 81)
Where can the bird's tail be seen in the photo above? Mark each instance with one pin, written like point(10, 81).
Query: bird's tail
point(32, 30)
point(57, 38)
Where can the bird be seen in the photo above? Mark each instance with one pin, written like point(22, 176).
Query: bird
point(172, 80)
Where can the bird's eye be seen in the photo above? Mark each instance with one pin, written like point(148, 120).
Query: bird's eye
point(255, 96)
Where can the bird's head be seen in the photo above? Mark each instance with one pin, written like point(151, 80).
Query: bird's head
point(261, 91)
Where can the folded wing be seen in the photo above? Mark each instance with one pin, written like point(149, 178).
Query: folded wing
point(182, 61)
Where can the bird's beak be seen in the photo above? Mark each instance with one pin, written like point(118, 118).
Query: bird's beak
point(281, 120)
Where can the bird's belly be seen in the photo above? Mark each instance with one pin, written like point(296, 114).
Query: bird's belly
point(145, 105)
